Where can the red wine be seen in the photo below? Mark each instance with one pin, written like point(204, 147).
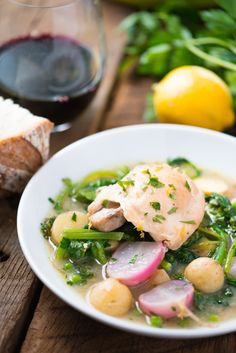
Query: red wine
point(55, 77)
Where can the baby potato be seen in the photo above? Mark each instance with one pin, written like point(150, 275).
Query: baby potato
point(67, 220)
point(111, 297)
point(205, 274)
point(211, 185)
point(159, 276)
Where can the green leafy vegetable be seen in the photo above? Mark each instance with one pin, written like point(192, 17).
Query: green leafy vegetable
point(76, 250)
point(186, 166)
point(183, 255)
point(205, 301)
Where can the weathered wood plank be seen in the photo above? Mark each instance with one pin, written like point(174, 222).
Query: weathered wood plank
point(17, 282)
point(129, 101)
point(18, 285)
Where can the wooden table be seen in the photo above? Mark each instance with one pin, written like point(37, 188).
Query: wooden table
point(32, 319)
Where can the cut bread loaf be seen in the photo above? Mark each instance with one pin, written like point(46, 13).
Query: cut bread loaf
point(24, 146)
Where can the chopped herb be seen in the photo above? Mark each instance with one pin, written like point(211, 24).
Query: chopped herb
point(178, 275)
point(146, 213)
point(170, 191)
point(187, 186)
point(156, 321)
point(125, 183)
point(133, 259)
point(113, 259)
point(158, 218)
point(155, 182)
point(46, 226)
point(105, 203)
point(146, 171)
point(57, 205)
point(172, 187)
point(51, 200)
point(156, 205)
point(172, 210)
point(189, 222)
point(74, 217)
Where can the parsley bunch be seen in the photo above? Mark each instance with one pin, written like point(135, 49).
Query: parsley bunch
point(159, 42)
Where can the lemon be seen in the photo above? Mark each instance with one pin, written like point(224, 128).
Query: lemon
point(193, 95)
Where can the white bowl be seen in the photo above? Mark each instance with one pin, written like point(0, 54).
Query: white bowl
point(109, 149)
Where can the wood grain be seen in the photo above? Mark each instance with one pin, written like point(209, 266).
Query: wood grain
point(17, 282)
point(18, 285)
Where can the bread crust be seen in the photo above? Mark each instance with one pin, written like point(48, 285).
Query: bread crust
point(22, 155)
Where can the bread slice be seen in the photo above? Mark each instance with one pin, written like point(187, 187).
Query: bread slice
point(24, 146)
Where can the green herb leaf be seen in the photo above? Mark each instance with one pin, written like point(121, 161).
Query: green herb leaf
point(187, 186)
point(189, 222)
point(46, 227)
point(158, 218)
point(155, 205)
point(125, 183)
point(74, 217)
point(133, 259)
point(156, 183)
point(172, 210)
point(105, 203)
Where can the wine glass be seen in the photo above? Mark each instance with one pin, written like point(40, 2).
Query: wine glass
point(52, 55)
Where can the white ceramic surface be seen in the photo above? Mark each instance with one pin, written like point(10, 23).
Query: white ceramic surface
point(107, 150)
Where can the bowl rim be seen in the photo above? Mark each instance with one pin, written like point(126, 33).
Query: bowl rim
point(175, 333)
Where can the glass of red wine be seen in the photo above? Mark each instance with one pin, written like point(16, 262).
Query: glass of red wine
point(52, 56)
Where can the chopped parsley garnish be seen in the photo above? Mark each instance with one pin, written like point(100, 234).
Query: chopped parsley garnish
point(155, 182)
point(171, 191)
point(156, 205)
point(187, 185)
point(46, 226)
point(189, 222)
point(146, 213)
point(105, 203)
point(113, 259)
point(125, 183)
point(146, 171)
point(172, 186)
point(158, 218)
point(172, 210)
point(57, 205)
point(133, 259)
point(74, 217)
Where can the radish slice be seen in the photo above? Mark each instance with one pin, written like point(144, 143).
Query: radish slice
point(167, 298)
point(133, 263)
